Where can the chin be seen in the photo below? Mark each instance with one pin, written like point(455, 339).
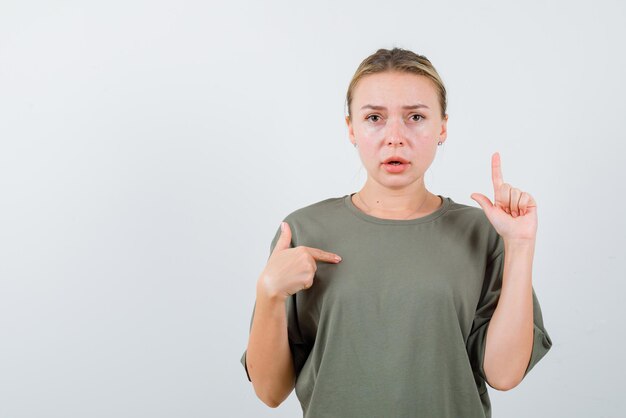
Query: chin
point(398, 183)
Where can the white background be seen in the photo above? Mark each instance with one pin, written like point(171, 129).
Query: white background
point(149, 150)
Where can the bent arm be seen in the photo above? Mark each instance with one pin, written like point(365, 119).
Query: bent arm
point(510, 333)
point(268, 356)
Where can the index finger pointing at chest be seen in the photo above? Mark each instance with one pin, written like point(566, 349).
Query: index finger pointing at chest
point(321, 255)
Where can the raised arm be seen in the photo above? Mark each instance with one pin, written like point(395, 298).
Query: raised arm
point(510, 334)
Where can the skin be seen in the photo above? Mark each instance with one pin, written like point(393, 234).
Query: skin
point(410, 133)
point(513, 213)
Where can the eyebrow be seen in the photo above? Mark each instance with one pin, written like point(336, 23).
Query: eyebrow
point(375, 107)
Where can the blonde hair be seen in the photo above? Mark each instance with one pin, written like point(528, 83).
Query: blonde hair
point(398, 59)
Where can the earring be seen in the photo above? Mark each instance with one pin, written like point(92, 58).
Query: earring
point(355, 145)
point(439, 143)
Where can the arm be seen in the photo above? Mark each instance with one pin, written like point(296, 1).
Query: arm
point(510, 333)
point(269, 360)
point(509, 341)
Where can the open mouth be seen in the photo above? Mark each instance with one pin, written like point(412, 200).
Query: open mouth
point(395, 160)
point(396, 166)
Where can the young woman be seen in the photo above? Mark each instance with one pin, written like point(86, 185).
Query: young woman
point(394, 301)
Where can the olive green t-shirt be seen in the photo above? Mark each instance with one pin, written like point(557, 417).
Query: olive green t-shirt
point(398, 327)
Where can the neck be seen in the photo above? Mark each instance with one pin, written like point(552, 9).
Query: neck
point(383, 201)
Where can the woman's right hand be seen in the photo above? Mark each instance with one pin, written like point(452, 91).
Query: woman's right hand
point(290, 270)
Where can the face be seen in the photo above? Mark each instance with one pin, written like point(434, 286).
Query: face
point(396, 114)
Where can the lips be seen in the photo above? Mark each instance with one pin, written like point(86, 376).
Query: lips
point(396, 158)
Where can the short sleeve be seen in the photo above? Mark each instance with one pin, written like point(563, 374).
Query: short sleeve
point(299, 350)
point(490, 295)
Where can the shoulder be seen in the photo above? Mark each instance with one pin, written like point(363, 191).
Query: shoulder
point(467, 214)
point(316, 210)
point(313, 219)
point(471, 221)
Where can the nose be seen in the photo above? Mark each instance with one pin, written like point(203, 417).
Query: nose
point(395, 135)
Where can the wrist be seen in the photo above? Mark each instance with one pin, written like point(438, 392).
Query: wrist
point(265, 293)
point(519, 242)
point(519, 249)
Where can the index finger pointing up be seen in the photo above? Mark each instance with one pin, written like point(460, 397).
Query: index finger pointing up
point(496, 172)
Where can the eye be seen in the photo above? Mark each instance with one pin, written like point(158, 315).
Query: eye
point(373, 116)
point(419, 116)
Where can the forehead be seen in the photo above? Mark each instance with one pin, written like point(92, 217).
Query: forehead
point(395, 89)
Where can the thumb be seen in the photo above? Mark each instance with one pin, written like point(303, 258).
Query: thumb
point(483, 201)
point(284, 241)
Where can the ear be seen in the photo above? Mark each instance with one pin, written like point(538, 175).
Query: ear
point(350, 130)
point(443, 134)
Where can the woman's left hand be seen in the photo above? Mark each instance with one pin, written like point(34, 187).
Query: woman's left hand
point(514, 213)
